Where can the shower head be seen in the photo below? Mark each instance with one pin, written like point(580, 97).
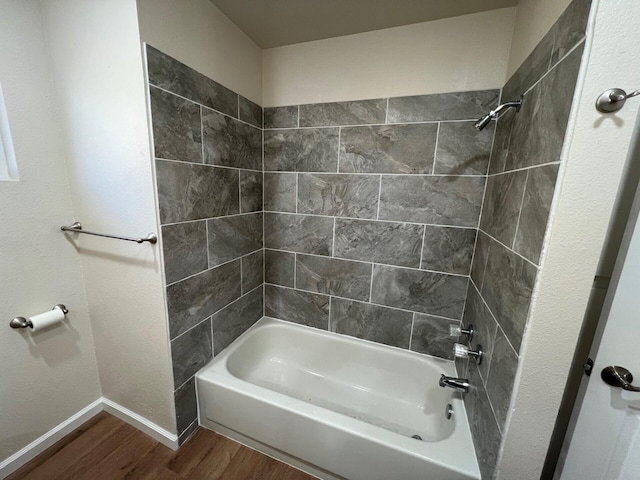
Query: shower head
point(493, 114)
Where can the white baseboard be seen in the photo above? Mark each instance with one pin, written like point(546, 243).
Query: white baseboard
point(40, 444)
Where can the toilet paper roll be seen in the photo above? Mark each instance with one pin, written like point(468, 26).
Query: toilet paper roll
point(44, 320)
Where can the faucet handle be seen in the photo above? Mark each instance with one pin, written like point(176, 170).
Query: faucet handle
point(457, 330)
point(462, 351)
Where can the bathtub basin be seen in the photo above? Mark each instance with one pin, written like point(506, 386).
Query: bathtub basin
point(337, 407)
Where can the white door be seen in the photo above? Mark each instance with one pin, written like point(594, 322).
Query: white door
point(605, 444)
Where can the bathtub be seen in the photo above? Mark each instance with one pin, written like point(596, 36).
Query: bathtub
point(337, 407)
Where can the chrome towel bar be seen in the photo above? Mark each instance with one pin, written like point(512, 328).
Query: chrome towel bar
point(76, 227)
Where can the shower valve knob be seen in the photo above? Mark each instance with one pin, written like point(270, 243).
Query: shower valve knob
point(457, 330)
point(463, 351)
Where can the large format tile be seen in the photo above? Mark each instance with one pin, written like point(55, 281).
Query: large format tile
point(425, 292)
point(232, 237)
point(532, 226)
point(502, 205)
point(507, 287)
point(184, 248)
point(309, 309)
point(452, 201)
point(484, 429)
point(333, 276)
point(233, 320)
point(382, 242)
point(250, 191)
point(343, 113)
point(570, 28)
point(171, 75)
point(388, 148)
point(301, 150)
point(176, 127)
point(338, 195)
point(230, 143)
point(480, 258)
point(192, 192)
point(281, 117)
point(280, 190)
point(484, 325)
point(431, 336)
point(279, 267)
point(442, 106)
point(371, 322)
point(463, 150)
point(298, 233)
point(250, 112)
point(448, 249)
point(190, 352)
point(186, 405)
point(502, 373)
point(196, 298)
point(252, 271)
point(501, 140)
point(539, 128)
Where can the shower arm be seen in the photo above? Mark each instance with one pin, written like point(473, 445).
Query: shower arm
point(515, 104)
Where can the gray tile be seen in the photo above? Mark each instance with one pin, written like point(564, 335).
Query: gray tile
point(477, 314)
point(250, 191)
point(532, 226)
point(442, 106)
point(232, 237)
point(463, 150)
point(480, 258)
point(484, 429)
point(250, 112)
point(309, 309)
point(280, 191)
point(184, 248)
point(539, 128)
point(507, 288)
point(304, 150)
point(171, 75)
point(196, 298)
point(431, 336)
point(570, 28)
point(338, 195)
point(448, 249)
point(371, 322)
point(452, 201)
point(252, 271)
point(186, 435)
point(504, 363)
point(281, 117)
point(501, 140)
point(333, 276)
point(233, 320)
point(190, 352)
point(192, 192)
point(381, 242)
point(388, 148)
point(425, 292)
point(176, 127)
point(230, 143)
point(186, 405)
point(502, 205)
point(343, 113)
point(279, 267)
point(298, 233)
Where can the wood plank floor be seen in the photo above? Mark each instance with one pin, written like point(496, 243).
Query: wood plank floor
point(106, 448)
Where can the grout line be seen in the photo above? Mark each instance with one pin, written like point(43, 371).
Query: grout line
point(413, 325)
point(185, 382)
point(202, 136)
point(239, 193)
point(206, 227)
point(509, 248)
point(424, 234)
point(333, 242)
point(435, 151)
point(295, 269)
point(531, 167)
point(213, 353)
point(238, 116)
point(298, 116)
point(297, 175)
point(386, 113)
point(408, 175)
point(329, 316)
point(379, 195)
point(241, 266)
point(339, 140)
point(422, 122)
point(205, 164)
point(524, 193)
point(371, 285)
point(213, 218)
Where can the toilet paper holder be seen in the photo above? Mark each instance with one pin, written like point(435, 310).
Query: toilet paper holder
point(21, 322)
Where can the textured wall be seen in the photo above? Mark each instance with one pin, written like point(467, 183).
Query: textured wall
point(208, 156)
point(520, 187)
point(371, 211)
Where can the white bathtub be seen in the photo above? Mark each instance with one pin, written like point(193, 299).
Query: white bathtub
point(337, 407)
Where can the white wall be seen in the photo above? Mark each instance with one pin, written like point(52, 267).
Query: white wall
point(98, 72)
point(45, 377)
point(533, 20)
point(595, 155)
point(469, 52)
point(200, 36)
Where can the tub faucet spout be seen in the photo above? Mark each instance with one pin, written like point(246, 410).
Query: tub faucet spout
point(458, 384)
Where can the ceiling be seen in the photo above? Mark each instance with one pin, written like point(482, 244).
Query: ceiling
point(273, 23)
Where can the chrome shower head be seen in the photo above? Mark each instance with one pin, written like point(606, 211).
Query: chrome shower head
point(493, 114)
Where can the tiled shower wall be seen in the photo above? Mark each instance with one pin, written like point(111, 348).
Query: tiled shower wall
point(208, 156)
point(520, 187)
point(371, 214)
